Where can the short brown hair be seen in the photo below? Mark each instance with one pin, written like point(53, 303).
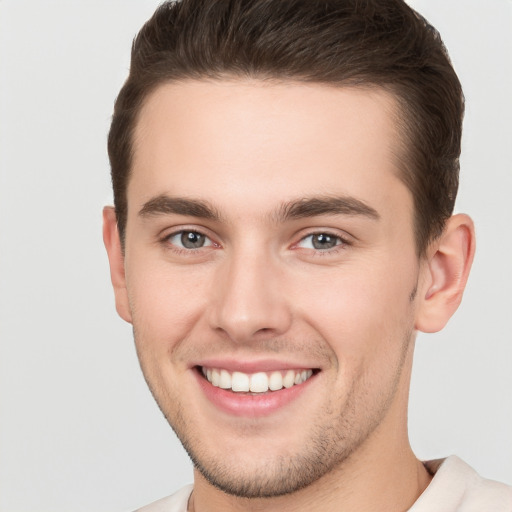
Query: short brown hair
point(371, 43)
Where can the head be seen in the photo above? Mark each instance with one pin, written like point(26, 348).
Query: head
point(374, 45)
point(284, 174)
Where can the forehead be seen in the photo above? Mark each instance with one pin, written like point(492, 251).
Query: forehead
point(250, 142)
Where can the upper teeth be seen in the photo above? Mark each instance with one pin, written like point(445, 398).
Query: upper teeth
point(259, 382)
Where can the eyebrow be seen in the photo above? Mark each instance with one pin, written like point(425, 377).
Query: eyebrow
point(166, 205)
point(298, 209)
point(328, 205)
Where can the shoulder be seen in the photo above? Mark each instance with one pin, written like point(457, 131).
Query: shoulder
point(177, 502)
point(456, 487)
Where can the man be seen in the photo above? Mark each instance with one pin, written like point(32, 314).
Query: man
point(284, 177)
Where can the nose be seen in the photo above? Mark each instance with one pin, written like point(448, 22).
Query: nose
point(250, 302)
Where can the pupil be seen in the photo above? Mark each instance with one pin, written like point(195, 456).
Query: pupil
point(324, 241)
point(192, 240)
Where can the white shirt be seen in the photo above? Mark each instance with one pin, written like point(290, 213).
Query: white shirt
point(456, 487)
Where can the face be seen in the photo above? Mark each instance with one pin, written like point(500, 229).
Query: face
point(270, 276)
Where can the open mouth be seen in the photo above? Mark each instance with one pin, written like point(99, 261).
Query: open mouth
point(260, 382)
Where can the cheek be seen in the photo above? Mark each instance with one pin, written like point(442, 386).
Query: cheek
point(165, 304)
point(364, 312)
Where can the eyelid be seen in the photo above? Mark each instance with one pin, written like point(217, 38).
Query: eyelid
point(166, 234)
point(344, 239)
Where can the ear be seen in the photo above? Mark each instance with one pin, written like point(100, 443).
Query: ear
point(112, 243)
point(446, 270)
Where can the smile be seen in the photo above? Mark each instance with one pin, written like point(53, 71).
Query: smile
point(260, 382)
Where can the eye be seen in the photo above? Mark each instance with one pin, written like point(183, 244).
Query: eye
point(189, 240)
point(320, 241)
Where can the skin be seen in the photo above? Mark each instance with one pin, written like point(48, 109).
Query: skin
point(260, 290)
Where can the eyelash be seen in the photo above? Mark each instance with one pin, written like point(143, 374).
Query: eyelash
point(166, 241)
point(342, 242)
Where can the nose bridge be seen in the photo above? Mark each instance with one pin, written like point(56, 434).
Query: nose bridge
point(250, 299)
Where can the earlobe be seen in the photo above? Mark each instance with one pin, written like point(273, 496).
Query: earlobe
point(447, 270)
point(112, 243)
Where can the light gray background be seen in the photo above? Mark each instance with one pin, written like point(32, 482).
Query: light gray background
point(78, 429)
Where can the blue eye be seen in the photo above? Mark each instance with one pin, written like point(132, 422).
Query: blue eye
point(189, 240)
point(320, 241)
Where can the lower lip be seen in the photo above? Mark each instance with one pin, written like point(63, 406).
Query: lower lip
point(251, 405)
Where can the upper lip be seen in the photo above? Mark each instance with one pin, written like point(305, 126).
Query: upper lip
point(253, 366)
